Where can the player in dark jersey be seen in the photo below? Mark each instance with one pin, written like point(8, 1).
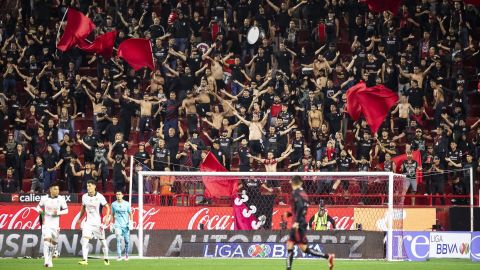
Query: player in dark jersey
point(299, 204)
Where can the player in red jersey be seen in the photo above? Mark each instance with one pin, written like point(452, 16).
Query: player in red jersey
point(299, 204)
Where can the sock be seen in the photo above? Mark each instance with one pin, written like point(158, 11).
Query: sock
point(119, 246)
point(104, 249)
point(84, 243)
point(289, 259)
point(316, 253)
point(46, 251)
point(53, 247)
point(127, 244)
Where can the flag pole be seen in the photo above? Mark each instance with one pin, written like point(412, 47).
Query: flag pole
point(60, 27)
point(151, 51)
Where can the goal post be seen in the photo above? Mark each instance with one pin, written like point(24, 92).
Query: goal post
point(385, 198)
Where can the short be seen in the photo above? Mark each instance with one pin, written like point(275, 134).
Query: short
point(51, 233)
point(89, 231)
point(410, 183)
point(122, 232)
point(255, 147)
point(298, 236)
point(37, 184)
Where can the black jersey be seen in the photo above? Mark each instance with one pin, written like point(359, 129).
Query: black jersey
point(299, 205)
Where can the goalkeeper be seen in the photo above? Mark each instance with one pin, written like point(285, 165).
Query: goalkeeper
point(122, 214)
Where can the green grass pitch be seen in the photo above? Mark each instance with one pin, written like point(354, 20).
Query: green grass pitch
point(236, 264)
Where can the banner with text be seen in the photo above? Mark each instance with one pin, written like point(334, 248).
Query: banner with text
point(188, 243)
point(475, 247)
point(420, 246)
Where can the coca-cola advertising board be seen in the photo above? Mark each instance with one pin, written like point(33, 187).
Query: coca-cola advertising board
point(24, 216)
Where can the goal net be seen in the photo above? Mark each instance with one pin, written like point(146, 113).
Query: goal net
point(369, 201)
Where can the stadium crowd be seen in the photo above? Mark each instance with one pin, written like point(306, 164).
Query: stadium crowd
point(277, 104)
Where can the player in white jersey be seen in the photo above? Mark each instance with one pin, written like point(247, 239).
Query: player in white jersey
point(93, 226)
point(50, 208)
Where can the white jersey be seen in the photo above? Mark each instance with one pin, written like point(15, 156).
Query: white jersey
point(93, 208)
point(48, 205)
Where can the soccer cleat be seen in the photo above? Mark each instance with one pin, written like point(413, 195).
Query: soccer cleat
point(106, 262)
point(126, 258)
point(83, 262)
point(331, 257)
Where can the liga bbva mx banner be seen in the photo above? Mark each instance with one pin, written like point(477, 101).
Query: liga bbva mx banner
point(421, 246)
point(207, 244)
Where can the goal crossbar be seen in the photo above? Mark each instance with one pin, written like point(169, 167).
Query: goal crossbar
point(264, 174)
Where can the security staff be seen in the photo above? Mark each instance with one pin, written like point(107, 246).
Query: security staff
point(319, 221)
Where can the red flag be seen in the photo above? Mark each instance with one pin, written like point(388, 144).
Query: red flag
point(353, 106)
point(215, 186)
point(78, 28)
point(137, 52)
point(417, 156)
point(373, 102)
point(242, 221)
point(382, 5)
point(102, 45)
point(376, 102)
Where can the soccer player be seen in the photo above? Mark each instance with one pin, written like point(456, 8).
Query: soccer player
point(50, 208)
point(299, 204)
point(123, 216)
point(92, 204)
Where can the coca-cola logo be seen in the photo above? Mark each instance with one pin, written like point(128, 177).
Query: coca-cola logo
point(344, 222)
point(211, 222)
point(25, 219)
point(148, 218)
